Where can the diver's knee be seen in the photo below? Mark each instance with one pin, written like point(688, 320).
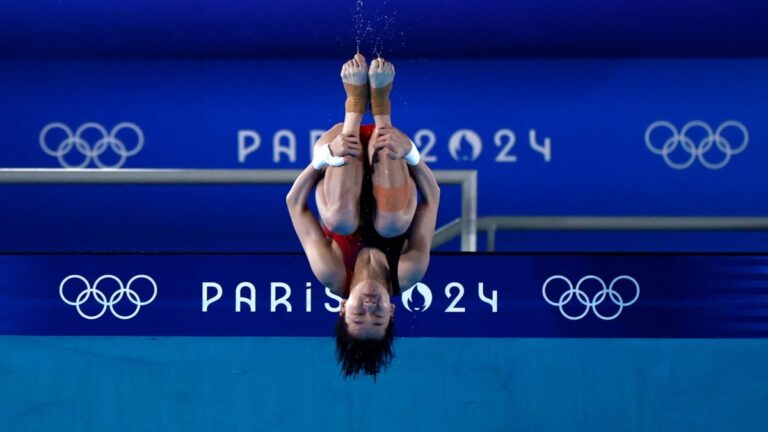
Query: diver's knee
point(392, 224)
point(342, 219)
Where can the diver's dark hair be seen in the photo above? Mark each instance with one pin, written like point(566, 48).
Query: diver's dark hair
point(369, 356)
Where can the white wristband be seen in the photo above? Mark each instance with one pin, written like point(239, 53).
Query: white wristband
point(413, 157)
point(323, 158)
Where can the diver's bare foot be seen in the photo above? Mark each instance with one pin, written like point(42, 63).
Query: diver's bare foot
point(355, 71)
point(380, 77)
point(354, 76)
point(381, 73)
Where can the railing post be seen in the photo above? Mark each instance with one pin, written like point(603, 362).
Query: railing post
point(492, 237)
point(469, 213)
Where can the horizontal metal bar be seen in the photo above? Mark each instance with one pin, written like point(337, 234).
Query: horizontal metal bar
point(632, 223)
point(492, 224)
point(467, 179)
point(446, 233)
point(174, 176)
point(145, 176)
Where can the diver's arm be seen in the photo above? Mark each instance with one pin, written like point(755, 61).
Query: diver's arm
point(415, 258)
point(327, 267)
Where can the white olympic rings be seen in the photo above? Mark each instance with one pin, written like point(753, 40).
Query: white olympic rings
point(75, 140)
point(101, 298)
point(712, 139)
point(584, 299)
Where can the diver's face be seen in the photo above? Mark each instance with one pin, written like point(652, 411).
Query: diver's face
point(367, 311)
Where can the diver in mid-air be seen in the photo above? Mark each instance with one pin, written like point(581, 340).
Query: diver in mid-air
point(374, 235)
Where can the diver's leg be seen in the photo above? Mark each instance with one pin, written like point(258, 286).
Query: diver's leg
point(338, 194)
point(393, 188)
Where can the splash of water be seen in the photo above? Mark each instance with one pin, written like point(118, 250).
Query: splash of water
point(378, 31)
point(383, 36)
point(357, 16)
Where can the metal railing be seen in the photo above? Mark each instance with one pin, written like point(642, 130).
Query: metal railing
point(491, 224)
point(465, 225)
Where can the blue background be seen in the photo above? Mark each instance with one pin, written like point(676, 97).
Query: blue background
point(595, 112)
point(420, 29)
point(590, 74)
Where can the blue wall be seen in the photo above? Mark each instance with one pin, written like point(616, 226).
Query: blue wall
point(405, 28)
point(136, 384)
point(462, 295)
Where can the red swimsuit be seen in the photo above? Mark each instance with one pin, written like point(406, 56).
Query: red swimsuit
point(350, 246)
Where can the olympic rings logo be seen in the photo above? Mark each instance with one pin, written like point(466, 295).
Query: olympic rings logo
point(582, 297)
point(711, 140)
point(108, 140)
point(101, 298)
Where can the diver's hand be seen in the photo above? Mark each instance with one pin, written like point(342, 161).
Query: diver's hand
point(392, 142)
point(346, 145)
point(323, 157)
